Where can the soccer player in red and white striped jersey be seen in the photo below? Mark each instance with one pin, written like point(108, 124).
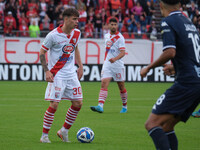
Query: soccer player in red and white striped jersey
point(113, 67)
point(63, 81)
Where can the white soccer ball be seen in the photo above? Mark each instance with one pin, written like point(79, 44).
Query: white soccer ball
point(85, 135)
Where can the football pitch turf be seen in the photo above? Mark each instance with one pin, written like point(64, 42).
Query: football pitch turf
point(22, 109)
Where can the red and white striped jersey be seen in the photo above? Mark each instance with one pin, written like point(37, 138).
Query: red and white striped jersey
point(61, 48)
point(114, 44)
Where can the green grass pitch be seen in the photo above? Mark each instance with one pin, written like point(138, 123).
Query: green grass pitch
point(22, 108)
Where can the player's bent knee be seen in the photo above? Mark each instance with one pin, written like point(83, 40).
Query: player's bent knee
point(147, 125)
point(105, 82)
point(77, 104)
point(104, 85)
point(54, 105)
point(150, 124)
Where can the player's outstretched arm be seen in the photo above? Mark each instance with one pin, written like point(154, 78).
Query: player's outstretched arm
point(164, 57)
point(78, 61)
point(121, 54)
point(49, 75)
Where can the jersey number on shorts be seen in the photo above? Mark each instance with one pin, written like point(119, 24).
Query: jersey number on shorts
point(195, 42)
point(77, 91)
point(160, 99)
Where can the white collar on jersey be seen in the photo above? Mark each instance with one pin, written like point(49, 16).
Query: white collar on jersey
point(175, 12)
point(61, 31)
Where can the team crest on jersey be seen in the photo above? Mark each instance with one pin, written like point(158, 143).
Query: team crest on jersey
point(68, 48)
point(163, 24)
point(109, 44)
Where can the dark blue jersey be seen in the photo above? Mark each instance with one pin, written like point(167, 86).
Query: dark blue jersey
point(179, 33)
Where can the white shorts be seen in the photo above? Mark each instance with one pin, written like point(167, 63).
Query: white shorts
point(64, 90)
point(118, 74)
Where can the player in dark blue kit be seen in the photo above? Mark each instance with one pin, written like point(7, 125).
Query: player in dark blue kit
point(196, 114)
point(181, 44)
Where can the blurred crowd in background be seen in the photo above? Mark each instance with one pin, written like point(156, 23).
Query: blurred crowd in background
point(137, 18)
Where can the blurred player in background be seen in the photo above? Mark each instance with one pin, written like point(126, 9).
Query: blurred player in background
point(63, 81)
point(113, 66)
point(181, 45)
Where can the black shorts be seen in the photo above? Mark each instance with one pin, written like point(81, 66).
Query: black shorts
point(180, 100)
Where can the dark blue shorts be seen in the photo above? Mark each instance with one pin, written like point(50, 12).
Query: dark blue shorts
point(180, 100)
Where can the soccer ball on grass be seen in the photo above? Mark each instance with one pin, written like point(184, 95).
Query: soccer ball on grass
point(85, 135)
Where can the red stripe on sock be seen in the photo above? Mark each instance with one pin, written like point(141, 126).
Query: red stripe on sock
point(124, 91)
point(67, 126)
point(51, 110)
point(104, 89)
point(124, 104)
point(123, 95)
point(69, 118)
point(45, 130)
point(102, 95)
point(102, 102)
point(48, 117)
point(75, 108)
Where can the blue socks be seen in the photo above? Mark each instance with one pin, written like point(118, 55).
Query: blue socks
point(159, 138)
point(173, 141)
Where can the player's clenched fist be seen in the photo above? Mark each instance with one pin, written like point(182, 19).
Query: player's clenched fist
point(144, 72)
point(112, 60)
point(168, 69)
point(49, 76)
point(80, 72)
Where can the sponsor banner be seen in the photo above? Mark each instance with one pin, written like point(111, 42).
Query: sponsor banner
point(92, 72)
point(92, 51)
